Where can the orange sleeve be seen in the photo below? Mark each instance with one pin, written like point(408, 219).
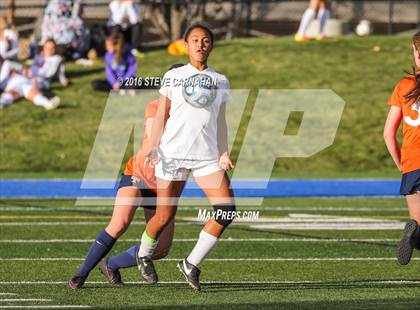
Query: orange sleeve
point(396, 98)
point(151, 110)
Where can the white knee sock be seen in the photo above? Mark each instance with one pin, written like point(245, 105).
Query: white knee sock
point(202, 248)
point(41, 100)
point(323, 15)
point(307, 17)
point(147, 245)
point(6, 99)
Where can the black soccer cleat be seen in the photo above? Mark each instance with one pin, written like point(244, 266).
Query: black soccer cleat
point(191, 273)
point(76, 282)
point(147, 269)
point(406, 244)
point(113, 276)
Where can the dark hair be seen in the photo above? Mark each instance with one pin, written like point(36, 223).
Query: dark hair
point(414, 93)
point(174, 66)
point(201, 26)
point(51, 40)
point(117, 40)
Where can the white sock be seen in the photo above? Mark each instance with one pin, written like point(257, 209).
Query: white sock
point(202, 248)
point(307, 17)
point(147, 245)
point(323, 15)
point(6, 99)
point(41, 100)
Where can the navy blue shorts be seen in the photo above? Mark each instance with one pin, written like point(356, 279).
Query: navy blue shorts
point(149, 196)
point(410, 183)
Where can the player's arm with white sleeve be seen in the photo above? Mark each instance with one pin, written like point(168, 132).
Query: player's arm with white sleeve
point(159, 123)
point(222, 136)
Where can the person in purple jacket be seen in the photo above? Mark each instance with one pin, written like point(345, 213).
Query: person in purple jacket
point(120, 64)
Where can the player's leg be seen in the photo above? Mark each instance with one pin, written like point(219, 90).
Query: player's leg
point(324, 14)
point(34, 95)
point(124, 210)
point(128, 258)
point(216, 186)
point(168, 193)
point(13, 90)
point(307, 18)
point(411, 235)
point(7, 98)
point(410, 187)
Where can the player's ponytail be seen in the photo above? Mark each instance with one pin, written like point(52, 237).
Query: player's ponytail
point(414, 93)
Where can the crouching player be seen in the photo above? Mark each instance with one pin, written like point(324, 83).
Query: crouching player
point(405, 107)
point(137, 183)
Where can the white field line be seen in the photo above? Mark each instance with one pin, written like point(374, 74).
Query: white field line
point(285, 226)
point(302, 282)
point(8, 294)
point(24, 299)
point(46, 307)
point(194, 240)
point(79, 223)
point(256, 208)
point(240, 259)
point(385, 225)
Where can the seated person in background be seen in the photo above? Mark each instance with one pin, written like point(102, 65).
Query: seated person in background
point(125, 17)
point(47, 66)
point(16, 86)
point(120, 64)
point(8, 41)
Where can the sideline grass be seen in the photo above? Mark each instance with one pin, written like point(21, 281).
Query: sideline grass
point(61, 141)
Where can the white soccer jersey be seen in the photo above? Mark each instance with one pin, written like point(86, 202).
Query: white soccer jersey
point(191, 132)
point(9, 45)
point(52, 66)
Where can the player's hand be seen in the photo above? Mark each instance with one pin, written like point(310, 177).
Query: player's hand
point(152, 157)
point(225, 163)
point(65, 82)
point(116, 86)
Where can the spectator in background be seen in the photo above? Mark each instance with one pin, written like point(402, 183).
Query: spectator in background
point(8, 41)
point(62, 22)
point(316, 7)
point(47, 66)
point(125, 17)
point(120, 64)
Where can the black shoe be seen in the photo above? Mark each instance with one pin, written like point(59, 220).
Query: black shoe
point(113, 277)
point(406, 244)
point(147, 269)
point(76, 282)
point(191, 273)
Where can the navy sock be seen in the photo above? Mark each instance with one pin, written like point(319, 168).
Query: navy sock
point(125, 259)
point(100, 247)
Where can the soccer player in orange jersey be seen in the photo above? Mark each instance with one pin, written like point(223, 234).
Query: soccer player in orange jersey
point(138, 183)
point(405, 107)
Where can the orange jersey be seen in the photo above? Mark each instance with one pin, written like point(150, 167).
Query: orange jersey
point(135, 165)
point(410, 151)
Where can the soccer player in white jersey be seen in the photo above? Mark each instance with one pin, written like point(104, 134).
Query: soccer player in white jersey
point(15, 86)
point(191, 139)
